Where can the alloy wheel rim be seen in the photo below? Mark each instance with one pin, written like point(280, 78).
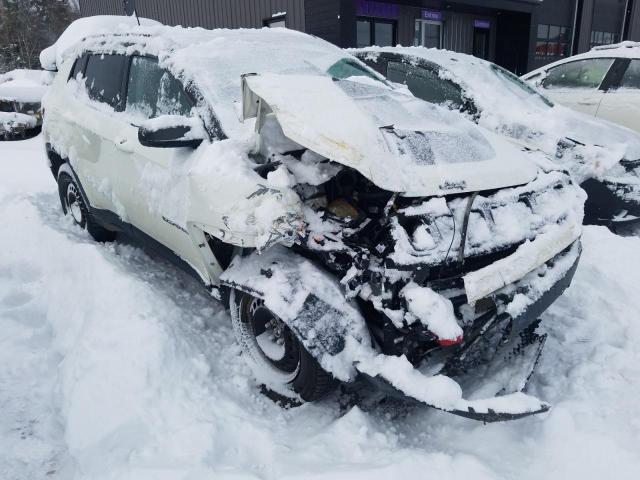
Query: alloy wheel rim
point(73, 203)
point(270, 331)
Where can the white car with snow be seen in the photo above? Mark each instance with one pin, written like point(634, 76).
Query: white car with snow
point(355, 231)
point(21, 93)
point(604, 158)
point(604, 83)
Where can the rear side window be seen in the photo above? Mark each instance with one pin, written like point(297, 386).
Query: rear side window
point(631, 78)
point(104, 79)
point(586, 74)
point(426, 84)
point(152, 91)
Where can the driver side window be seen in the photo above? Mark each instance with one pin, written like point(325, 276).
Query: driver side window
point(152, 91)
point(586, 74)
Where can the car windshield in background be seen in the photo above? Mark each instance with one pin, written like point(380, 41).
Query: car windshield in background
point(519, 87)
point(347, 68)
point(426, 83)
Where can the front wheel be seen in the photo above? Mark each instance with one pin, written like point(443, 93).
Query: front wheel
point(276, 357)
point(73, 204)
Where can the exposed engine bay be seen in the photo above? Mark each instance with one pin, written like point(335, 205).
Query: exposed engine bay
point(454, 284)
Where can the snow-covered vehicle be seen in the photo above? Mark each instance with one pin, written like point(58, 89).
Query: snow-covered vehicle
point(603, 83)
point(603, 157)
point(355, 231)
point(21, 92)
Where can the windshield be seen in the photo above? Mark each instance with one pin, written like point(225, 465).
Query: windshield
point(521, 88)
point(348, 67)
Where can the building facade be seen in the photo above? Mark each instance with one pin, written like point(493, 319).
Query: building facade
point(520, 35)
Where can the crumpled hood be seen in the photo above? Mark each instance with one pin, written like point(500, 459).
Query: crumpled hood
point(400, 143)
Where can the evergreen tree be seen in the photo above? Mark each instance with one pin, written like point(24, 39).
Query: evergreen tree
point(27, 27)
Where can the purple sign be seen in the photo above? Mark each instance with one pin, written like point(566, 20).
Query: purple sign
point(367, 8)
point(482, 24)
point(434, 15)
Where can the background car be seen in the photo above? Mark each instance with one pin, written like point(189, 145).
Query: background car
point(603, 157)
point(21, 93)
point(604, 82)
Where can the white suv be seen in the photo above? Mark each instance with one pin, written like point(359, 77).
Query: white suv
point(604, 83)
point(355, 231)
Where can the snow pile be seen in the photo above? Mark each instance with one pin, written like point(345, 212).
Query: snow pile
point(24, 86)
point(432, 310)
point(11, 120)
point(114, 366)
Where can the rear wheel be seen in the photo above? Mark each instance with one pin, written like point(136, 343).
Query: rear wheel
point(73, 204)
point(273, 352)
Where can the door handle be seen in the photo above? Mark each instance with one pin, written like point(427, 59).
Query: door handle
point(123, 144)
point(587, 103)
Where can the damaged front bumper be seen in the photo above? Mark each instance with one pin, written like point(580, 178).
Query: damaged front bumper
point(494, 363)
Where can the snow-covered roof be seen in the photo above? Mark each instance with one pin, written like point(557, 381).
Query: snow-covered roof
point(626, 49)
point(616, 46)
point(52, 56)
point(511, 107)
point(27, 86)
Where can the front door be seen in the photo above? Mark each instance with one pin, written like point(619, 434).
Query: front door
point(577, 84)
point(621, 102)
point(154, 183)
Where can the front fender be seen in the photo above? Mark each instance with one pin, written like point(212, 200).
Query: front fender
point(308, 300)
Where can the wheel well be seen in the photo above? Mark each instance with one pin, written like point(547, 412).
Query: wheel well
point(55, 160)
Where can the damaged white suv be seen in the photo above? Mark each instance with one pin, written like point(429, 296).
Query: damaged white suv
point(355, 231)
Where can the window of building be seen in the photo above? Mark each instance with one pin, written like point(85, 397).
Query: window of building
point(278, 20)
point(553, 41)
point(152, 91)
point(428, 33)
point(375, 31)
point(104, 78)
point(603, 38)
point(586, 74)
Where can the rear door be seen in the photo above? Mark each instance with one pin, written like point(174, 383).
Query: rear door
point(96, 85)
point(621, 102)
point(577, 84)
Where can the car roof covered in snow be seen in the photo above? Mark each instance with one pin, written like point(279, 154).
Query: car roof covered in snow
point(509, 106)
point(625, 49)
point(27, 86)
point(53, 56)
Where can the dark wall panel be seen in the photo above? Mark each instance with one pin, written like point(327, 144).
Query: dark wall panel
point(322, 19)
point(634, 26)
point(207, 13)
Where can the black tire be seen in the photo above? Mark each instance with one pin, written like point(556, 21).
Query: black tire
point(73, 204)
point(285, 367)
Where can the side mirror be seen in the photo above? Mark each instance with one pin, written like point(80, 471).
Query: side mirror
point(171, 131)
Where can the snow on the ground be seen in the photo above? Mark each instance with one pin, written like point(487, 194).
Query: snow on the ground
point(115, 366)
